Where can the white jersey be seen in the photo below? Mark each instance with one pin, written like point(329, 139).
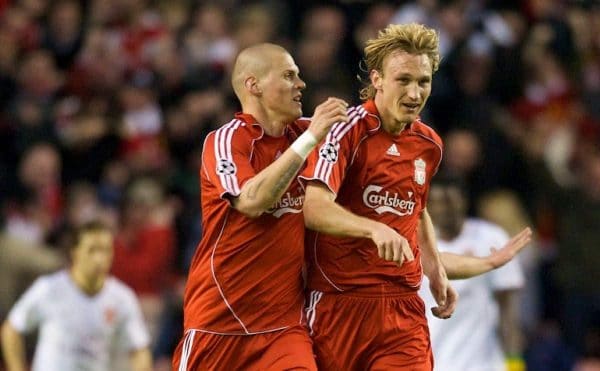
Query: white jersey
point(79, 332)
point(469, 341)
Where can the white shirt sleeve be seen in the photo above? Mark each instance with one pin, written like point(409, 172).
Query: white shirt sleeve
point(26, 314)
point(510, 276)
point(133, 334)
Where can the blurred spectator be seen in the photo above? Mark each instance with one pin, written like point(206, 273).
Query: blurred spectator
point(208, 41)
point(140, 128)
point(63, 35)
point(88, 138)
point(254, 25)
point(319, 54)
point(145, 246)
point(82, 206)
point(21, 262)
point(37, 203)
point(38, 76)
point(575, 211)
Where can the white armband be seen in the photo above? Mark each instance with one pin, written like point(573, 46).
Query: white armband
point(304, 144)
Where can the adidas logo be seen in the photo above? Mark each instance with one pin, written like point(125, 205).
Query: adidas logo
point(393, 150)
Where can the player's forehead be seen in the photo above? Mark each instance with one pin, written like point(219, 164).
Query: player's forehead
point(99, 238)
point(282, 61)
point(399, 62)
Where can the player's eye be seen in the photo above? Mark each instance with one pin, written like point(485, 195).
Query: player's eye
point(424, 82)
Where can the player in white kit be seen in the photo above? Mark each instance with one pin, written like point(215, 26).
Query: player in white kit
point(86, 318)
point(484, 328)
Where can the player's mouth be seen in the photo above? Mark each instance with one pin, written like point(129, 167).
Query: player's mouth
point(411, 107)
point(298, 99)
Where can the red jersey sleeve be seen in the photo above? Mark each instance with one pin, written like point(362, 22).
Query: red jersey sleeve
point(226, 159)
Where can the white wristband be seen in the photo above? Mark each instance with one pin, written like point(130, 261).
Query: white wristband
point(304, 144)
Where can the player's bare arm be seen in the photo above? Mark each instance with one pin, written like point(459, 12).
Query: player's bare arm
point(141, 360)
point(463, 266)
point(263, 190)
point(13, 348)
point(323, 214)
point(445, 296)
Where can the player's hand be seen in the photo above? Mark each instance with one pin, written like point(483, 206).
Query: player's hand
point(391, 246)
point(445, 296)
point(326, 114)
point(499, 257)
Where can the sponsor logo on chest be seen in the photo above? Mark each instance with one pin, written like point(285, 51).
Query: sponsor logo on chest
point(287, 204)
point(386, 202)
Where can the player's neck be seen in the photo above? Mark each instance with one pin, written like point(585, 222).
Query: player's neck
point(392, 126)
point(388, 122)
point(89, 285)
point(273, 126)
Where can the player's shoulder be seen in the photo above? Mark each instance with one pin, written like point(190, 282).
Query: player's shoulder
point(360, 114)
point(359, 122)
point(51, 283)
point(118, 288)
point(236, 130)
point(420, 128)
point(60, 277)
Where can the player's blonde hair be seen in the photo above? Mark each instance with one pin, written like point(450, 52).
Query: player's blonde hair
point(412, 38)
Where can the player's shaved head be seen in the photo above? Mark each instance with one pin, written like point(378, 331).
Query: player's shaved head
point(253, 61)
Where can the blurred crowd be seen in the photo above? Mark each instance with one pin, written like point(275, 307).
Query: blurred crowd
point(104, 105)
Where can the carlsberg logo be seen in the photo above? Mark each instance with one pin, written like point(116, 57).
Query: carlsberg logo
point(386, 202)
point(287, 204)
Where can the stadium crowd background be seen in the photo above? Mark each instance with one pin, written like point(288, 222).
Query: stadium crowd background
point(104, 105)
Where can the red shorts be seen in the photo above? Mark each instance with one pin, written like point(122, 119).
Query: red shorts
point(289, 349)
point(362, 332)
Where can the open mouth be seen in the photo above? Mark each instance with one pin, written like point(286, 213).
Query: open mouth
point(298, 99)
point(411, 106)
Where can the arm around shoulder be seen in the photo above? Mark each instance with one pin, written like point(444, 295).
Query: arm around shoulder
point(260, 192)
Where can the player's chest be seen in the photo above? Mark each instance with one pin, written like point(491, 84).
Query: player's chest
point(402, 163)
point(266, 150)
point(85, 318)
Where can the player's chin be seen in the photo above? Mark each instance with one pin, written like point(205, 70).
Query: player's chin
point(407, 117)
point(294, 114)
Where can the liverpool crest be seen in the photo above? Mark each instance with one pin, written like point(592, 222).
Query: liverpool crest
point(420, 174)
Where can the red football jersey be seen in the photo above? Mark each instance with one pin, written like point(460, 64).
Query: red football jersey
point(382, 177)
point(246, 274)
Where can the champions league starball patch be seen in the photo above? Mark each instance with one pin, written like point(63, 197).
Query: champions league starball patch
point(225, 167)
point(329, 152)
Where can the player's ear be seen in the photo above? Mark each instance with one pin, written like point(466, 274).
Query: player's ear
point(251, 84)
point(376, 79)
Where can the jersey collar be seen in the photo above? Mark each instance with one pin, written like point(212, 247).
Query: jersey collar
point(371, 108)
point(374, 123)
point(256, 128)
